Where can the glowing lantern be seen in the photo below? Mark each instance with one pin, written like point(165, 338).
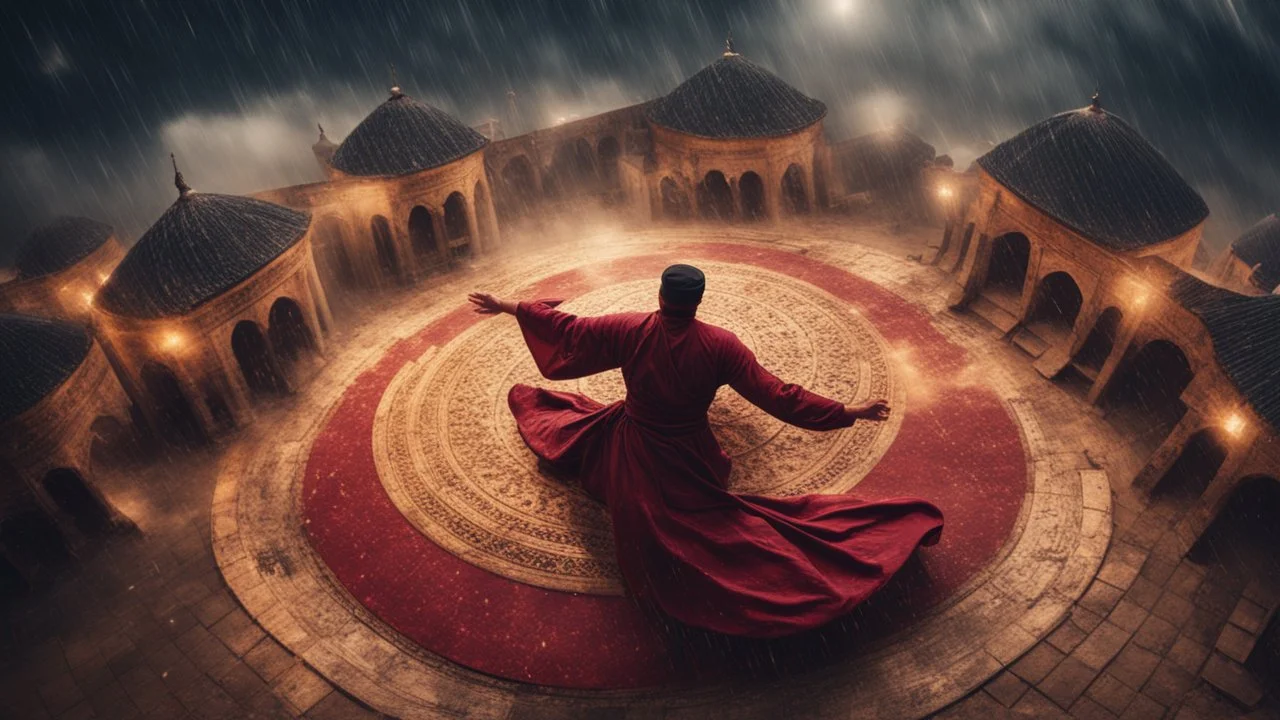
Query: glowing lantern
point(172, 340)
point(945, 192)
point(1234, 424)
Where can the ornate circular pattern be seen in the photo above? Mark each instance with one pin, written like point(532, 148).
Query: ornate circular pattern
point(451, 459)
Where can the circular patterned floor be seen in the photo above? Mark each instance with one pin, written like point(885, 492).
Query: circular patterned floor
point(399, 536)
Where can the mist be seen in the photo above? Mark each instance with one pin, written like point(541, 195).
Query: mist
point(100, 94)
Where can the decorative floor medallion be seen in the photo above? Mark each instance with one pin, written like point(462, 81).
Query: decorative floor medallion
point(451, 459)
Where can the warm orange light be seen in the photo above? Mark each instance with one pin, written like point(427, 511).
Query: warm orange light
point(102, 278)
point(172, 340)
point(1138, 292)
point(1234, 424)
point(88, 299)
point(945, 191)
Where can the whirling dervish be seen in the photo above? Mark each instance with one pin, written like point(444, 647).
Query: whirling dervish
point(744, 565)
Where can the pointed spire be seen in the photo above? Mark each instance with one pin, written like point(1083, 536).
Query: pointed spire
point(1095, 102)
point(728, 45)
point(395, 86)
point(183, 188)
point(322, 137)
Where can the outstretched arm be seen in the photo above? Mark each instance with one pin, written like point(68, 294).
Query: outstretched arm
point(793, 404)
point(563, 345)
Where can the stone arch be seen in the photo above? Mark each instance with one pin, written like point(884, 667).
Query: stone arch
point(455, 224)
point(1007, 269)
point(795, 197)
point(751, 193)
point(520, 185)
point(675, 202)
point(330, 249)
point(384, 244)
point(573, 169)
point(1147, 390)
point(485, 227)
point(608, 152)
point(1097, 346)
point(174, 412)
point(1055, 305)
point(290, 336)
point(1193, 470)
point(69, 491)
point(422, 235)
point(253, 355)
point(111, 443)
point(1244, 535)
point(715, 198)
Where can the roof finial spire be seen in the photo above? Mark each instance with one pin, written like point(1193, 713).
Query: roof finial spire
point(321, 130)
point(183, 188)
point(1095, 102)
point(728, 45)
point(395, 86)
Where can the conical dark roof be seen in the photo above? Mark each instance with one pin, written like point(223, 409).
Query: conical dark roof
point(1260, 245)
point(1092, 172)
point(202, 246)
point(1245, 330)
point(735, 98)
point(403, 136)
point(61, 243)
point(37, 355)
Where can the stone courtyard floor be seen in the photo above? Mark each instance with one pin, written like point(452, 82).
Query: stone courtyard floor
point(146, 626)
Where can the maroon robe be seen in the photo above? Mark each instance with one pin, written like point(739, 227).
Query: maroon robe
point(736, 564)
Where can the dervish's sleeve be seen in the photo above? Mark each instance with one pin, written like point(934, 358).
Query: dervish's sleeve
point(788, 402)
point(566, 346)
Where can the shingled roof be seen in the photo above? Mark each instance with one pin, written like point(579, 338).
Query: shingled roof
point(1245, 330)
point(403, 136)
point(37, 355)
point(1260, 245)
point(202, 246)
point(735, 98)
point(61, 243)
point(1092, 172)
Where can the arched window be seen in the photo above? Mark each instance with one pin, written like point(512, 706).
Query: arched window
point(254, 357)
point(675, 202)
point(1010, 254)
point(422, 234)
point(176, 417)
point(751, 190)
point(385, 246)
point(794, 197)
point(291, 338)
point(715, 199)
point(519, 185)
point(68, 490)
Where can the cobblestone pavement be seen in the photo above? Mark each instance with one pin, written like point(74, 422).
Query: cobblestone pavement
point(144, 626)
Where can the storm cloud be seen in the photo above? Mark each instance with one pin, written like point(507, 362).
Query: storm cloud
point(100, 93)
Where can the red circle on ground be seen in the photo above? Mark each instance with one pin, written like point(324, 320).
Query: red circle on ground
point(961, 450)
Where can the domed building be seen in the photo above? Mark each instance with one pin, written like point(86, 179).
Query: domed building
point(1061, 211)
point(61, 409)
point(407, 194)
point(59, 268)
point(734, 141)
point(218, 303)
point(1252, 263)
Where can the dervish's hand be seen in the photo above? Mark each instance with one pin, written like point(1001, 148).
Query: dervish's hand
point(487, 304)
point(875, 411)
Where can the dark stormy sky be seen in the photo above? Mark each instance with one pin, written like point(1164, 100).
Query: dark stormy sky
point(98, 92)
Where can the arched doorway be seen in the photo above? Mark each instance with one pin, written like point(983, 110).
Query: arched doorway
point(1145, 397)
point(573, 169)
point(1007, 270)
point(112, 443)
point(68, 490)
point(1245, 535)
point(675, 202)
point(794, 198)
point(254, 357)
point(484, 221)
point(290, 337)
point(751, 192)
point(385, 246)
point(331, 252)
point(608, 151)
point(520, 186)
point(1189, 475)
point(1054, 308)
point(455, 224)
point(175, 416)
point(1097, 346)
point(422, 236)
point(715, 199)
